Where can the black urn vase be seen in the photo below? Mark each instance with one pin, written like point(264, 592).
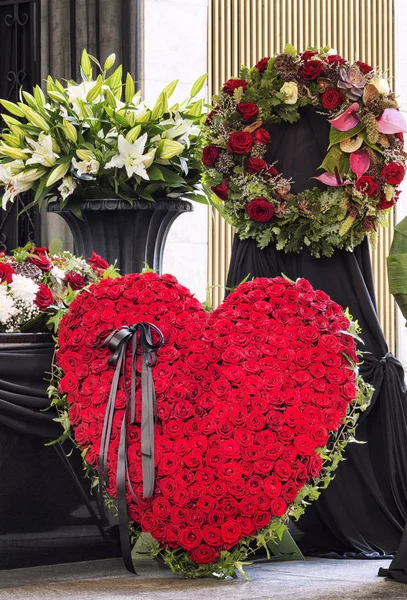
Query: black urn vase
point(133, 234)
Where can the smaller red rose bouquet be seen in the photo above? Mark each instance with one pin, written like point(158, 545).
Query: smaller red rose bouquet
point(37, 286)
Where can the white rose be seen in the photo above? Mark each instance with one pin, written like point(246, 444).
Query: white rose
point(290, 91)
point(381, 85)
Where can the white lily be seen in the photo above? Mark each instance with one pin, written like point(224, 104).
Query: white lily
point(79, 92)
point(182, 129)
point(86, 167)
point(42, 152)
point(67, 187)
point(13, 185)
point(131, 157)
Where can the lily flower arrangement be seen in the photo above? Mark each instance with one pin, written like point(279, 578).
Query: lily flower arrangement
point(98, 138)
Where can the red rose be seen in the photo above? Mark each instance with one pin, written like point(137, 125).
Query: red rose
point(41, 261)
point(204, 555)
point(248, 111)
point(312, 69)
point(384, 204)
point(335, 59)
point(364, 67)
point(97, 262)
point(44, 297)
point(261, 136)
point(74, 280)
point(261, 65)
point(255, 165)
point(6, 273)
point(233, 84)
point(400, 136)
point(210, 155)
point(212, 535)
point(393, 173)
point(190, 538)
point(231, 532)
point(272, 172)
point(278, 507)
point(261, 519)
point(260, 210)
point(308, 54)
point(40, 250)
point(368, 185)
point(240, 142)
point(332, 98)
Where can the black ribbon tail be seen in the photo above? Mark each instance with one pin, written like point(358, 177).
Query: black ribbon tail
point(122, 500)
point(118, 342)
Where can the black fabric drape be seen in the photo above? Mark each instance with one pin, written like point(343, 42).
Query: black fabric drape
point(43, 518)
point(364, 510)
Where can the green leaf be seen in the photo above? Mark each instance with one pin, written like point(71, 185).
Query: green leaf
point(331, 160)
point(289, 49)
point(198, 85)
point(129, 89)
point(55, 246)
point(155, 173)
point(335, 136)
point(31, 101)
point(86, 65)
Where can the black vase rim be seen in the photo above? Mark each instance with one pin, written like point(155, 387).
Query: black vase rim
point(38, 337)
point(107, 204)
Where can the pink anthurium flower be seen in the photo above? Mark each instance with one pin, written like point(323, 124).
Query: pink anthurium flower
point(332, 180)
point(391, 121)
point(347, 120)
point(359, 162)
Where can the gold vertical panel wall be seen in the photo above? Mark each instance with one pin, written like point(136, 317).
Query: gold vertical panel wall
point(243, 31)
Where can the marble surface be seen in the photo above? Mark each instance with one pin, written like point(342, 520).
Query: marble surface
point(313, 579)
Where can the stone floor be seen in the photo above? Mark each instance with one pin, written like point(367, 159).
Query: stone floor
point(313, 579)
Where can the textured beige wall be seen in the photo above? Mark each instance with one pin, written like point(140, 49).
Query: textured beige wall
point(243, 31)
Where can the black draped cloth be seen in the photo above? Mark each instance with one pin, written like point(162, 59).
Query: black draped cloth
point(43, 518)
point(363, 512)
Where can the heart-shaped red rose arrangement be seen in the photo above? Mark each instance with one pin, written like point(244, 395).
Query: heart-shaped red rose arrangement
point(246, 396)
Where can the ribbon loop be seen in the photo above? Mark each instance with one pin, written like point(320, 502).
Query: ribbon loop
point(141, 337)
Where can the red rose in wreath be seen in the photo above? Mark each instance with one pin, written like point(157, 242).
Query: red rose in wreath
point(312, 69)
point(261, 65)
point(393, 173)
point(368, 185)
point(210, 155)
point(364, 67)
point(248, 111)
point(332, 98)
point(261, 136)
point(260, 210)
point(221, 190)
point(240, 142)
point(232, 84)
point(255, 165)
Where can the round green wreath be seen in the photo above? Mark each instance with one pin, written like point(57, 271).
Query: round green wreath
point(364, 164)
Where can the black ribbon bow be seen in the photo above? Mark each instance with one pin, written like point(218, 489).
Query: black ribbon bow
point(141, 337)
